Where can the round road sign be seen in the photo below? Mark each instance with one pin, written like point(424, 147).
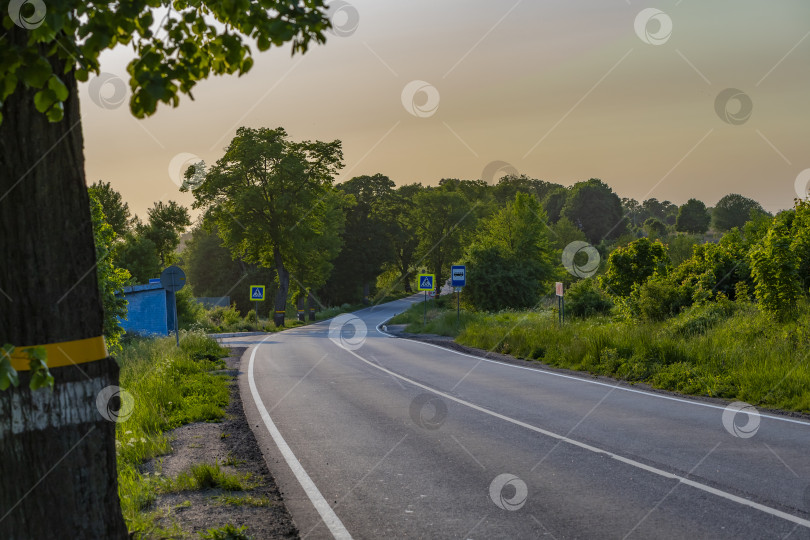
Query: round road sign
point(173, 278)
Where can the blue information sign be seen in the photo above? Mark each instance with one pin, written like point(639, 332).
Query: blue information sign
point(458, 275)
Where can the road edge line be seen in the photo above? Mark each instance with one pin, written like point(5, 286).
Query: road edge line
point(585, 380)
point(596, 450)
point(328, 516)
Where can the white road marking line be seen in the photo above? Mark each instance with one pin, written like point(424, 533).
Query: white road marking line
point(328, 515)
point(697, 485)
point(582, 379)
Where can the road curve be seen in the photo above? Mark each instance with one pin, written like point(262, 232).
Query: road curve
point(374, 436)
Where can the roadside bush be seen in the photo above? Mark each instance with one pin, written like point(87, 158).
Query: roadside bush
point(632, 265)
point(497, 281)
point(775, 268)
point(696, 320)
point(224, 316)
point(659, 299)
point(585, 299)
point(189, 311)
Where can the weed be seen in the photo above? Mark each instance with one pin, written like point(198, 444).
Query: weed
point(207, 476)
point(232, 461)
point(240, 500)
point(226, 532)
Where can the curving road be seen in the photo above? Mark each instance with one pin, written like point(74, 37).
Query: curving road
point(378, 436)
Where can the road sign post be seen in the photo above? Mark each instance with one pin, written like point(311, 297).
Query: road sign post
point(458, 279)
point(257, 295)
point(560, 301)
point(426, 283)
point(173, 279)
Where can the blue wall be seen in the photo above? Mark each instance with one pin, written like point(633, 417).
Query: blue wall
point(150, 310)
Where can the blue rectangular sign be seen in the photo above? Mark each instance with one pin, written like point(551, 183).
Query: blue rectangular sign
point(458, 275)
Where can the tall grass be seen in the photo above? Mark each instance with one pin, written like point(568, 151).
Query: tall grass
point(724, 349)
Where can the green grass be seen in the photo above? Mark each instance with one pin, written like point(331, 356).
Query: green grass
point(170, 387)
point(226, 532)
point(240, 500)
point(727, 350)
point(207, 476)
point(441, 319)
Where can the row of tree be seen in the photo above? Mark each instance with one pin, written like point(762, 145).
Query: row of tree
point(271, 213)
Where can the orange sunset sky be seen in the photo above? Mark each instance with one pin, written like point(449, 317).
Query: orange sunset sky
point(622, 90)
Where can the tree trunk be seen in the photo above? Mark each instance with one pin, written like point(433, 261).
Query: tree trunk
point(406, 277)
point(57, 453)
point(280, 307)
point(311, 306)
point(302, 315)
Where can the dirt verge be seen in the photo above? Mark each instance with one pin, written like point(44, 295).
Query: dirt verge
point(232, 444)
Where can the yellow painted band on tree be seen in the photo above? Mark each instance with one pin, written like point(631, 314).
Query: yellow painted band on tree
point(65, 353)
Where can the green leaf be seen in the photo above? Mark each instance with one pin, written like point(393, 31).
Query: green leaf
point(40, 374)
point(7, 85)
point(8, 375)
point(58, 87)
point(36, 74)
point(56, 113)
point(44, 99)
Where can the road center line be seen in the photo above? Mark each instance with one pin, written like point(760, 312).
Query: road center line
point(328, 515)
point(697, 485)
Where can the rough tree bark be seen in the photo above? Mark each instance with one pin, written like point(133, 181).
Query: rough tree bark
point(299, 304)
point(311, 305)
point(280, 306)
point(57, 453)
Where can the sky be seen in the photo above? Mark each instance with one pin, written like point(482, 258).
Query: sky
point(674, 99)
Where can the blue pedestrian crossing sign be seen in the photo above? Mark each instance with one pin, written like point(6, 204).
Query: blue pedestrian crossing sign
point(458, 275)
point(257, 293)
point(426, 282)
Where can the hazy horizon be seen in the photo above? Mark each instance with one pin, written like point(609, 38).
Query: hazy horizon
point(560, 92)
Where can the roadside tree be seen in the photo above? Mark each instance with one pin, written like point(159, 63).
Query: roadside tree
point(271, 200)
point(441, 218)
point(510, 262)
point(116, 211)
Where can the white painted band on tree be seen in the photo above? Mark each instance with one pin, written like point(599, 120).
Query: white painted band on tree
point(65, 405)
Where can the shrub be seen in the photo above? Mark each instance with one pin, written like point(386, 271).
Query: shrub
point(189, 311)
point(633, 265)
point(498, 281)
point(585, 299)
point(775, 268)
point(698, 319)
point(659, 299)
point(224, 316)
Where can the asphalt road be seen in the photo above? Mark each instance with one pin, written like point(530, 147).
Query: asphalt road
point(375, 436)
